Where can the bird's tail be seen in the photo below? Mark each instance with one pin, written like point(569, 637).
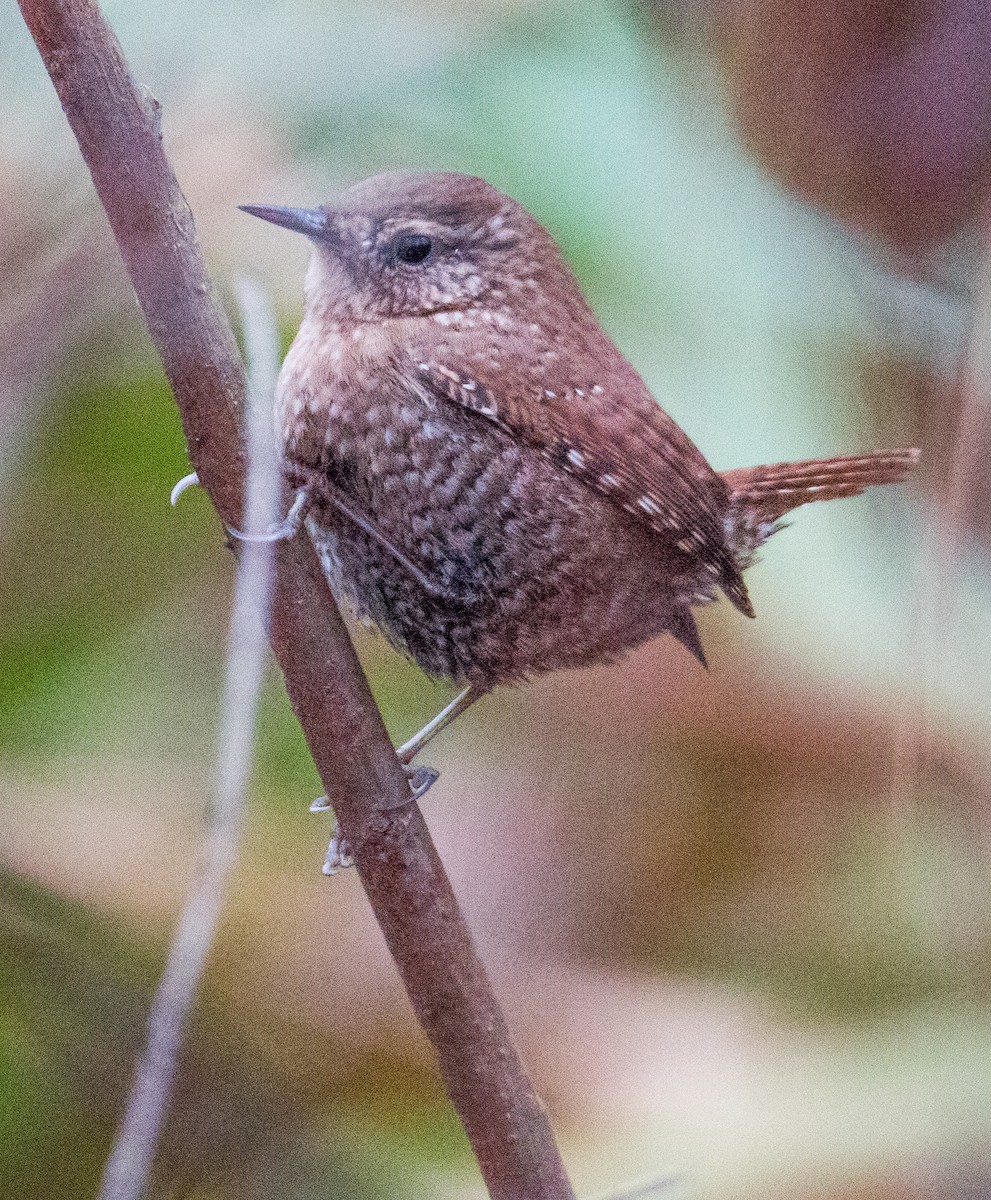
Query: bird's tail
point(760, 496)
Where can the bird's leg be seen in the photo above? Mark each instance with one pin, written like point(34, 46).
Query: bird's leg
point(464, 700)
point(421, 779)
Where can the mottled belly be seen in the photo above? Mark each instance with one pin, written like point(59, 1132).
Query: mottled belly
point(532, 570)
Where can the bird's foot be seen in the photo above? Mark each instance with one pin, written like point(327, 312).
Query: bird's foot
point(339, 855)
point(286, 529)
point(421, 779)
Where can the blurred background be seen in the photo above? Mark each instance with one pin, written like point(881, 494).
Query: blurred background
point(740, 920)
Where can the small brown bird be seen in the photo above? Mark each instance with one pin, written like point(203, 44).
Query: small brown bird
point(486, 476)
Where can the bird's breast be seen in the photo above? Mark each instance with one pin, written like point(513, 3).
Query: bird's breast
point(328, 380)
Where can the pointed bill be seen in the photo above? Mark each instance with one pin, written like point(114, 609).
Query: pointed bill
point(309, 221)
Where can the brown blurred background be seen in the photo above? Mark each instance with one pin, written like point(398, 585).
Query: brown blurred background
point(740, 920)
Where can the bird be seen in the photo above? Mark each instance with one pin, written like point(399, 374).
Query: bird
point(484, 475)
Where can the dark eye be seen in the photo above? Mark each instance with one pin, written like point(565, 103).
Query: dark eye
point(412, 248)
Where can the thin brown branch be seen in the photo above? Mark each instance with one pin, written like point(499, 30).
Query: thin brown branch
point(117, 127)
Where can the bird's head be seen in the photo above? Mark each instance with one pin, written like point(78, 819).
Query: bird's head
point(406, 245)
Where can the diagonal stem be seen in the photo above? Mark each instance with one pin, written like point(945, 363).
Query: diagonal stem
point(129, 1165)
point(117, 127)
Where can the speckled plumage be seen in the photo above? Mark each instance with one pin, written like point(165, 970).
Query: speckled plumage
point(471, 408)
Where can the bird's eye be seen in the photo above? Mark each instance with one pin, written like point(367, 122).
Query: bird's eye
point(412, 248)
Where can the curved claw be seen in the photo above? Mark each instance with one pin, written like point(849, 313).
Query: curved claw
point(184, 484)
point(286, 529)
point(421, 779)
point(339, 856)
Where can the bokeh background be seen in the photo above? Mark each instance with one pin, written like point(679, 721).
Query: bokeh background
point(740, 919)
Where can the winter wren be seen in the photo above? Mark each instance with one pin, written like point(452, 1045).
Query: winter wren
point(488, 478)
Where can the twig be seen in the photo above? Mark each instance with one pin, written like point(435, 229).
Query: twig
point(939, 559)
point(647, 1191)
point(129, 1165)
point(117, 129)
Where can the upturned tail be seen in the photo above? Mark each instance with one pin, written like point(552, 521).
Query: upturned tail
point(760, 496)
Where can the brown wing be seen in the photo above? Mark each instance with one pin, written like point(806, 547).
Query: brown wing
point(612, 435)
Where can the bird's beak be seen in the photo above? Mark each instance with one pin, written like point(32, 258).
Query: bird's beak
point(311, 221)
